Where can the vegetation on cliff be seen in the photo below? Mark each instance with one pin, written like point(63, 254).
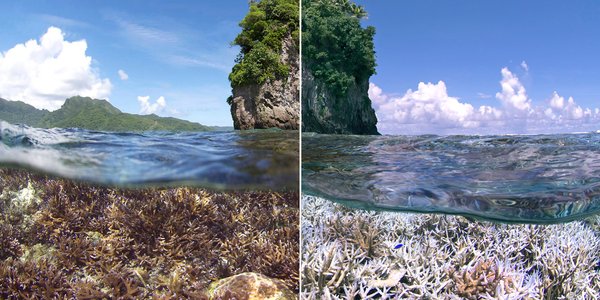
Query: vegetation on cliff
point(264, 29)
point(338, 58)
point(336, 49)
point(92, 114)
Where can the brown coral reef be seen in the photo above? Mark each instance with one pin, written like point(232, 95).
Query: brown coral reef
point(64, 239)
point(355, 254)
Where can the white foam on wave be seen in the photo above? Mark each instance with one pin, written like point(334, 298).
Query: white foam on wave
point(41, 155)
point(48, 160)
point(39, 135)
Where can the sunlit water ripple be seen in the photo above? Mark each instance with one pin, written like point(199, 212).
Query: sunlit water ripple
point(257, 159)
point(530, 179)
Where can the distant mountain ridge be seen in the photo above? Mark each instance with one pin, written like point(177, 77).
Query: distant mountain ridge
point(92, 114)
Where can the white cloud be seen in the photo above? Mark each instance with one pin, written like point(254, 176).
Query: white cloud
point(47, 72)
point(376, 95)
point(178, 46)
point(427, 109)
point(430, 109)
point(525, 66)
point(147, 108)
point(557, 101)
point(123, 75)
point(182, 60)
point(146, 34)
point(559, 109)
point(484, 95)
point(513, 96)
point(61, 21)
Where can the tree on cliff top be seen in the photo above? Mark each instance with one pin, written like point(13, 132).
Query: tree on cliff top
point(264, 28)
point(336, 48)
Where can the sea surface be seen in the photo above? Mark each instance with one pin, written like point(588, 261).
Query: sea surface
point(508, 178)
point(256, 159)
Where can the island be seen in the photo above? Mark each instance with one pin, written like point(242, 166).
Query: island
point(91, 114)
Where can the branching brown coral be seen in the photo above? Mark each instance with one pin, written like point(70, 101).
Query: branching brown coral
point(105, 242)
point(40, 280)
point(481, 279)
point(9, 239)
point(366, 236)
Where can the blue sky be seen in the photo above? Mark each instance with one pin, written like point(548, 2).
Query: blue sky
point(177, 50)
point(545, 46)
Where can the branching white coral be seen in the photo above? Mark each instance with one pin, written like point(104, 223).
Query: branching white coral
point(354, 254)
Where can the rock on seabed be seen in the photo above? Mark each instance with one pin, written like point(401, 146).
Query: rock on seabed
point(249, 286)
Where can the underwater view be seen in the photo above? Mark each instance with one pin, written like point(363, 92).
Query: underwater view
point(350, 253)
point(445, 217)
point(510, 178)
point(63, 238)
point(258, 159)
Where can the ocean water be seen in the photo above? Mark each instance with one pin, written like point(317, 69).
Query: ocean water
point(518, 178)
point(256, 159)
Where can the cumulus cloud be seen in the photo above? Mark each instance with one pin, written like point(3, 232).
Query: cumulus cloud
point(146, 107)
point(123, 75)
point(560, 109)
point(525, 66)
point(376, 95)
point(430, 103)
point(430, 109)
point(513, 96)
point(47, 72)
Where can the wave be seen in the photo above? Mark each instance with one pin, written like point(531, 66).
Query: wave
point(516, 178)
point(257, 159)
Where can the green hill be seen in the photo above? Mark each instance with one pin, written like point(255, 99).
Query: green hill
point(93, 114)
point(20, 112)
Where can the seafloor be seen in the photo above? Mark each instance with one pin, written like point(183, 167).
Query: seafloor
point(354, 254)
point(66, 239)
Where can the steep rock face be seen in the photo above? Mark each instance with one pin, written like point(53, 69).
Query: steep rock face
point(276, 103)
point(323, 112)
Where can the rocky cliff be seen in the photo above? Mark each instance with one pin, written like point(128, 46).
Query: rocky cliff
point(323, 112)
point(274, 103)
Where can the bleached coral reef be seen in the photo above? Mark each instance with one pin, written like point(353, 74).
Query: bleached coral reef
point(356, 254)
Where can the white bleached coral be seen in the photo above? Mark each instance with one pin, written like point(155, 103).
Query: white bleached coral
point(19, 207)
point(355, 254)
point(25, 197)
